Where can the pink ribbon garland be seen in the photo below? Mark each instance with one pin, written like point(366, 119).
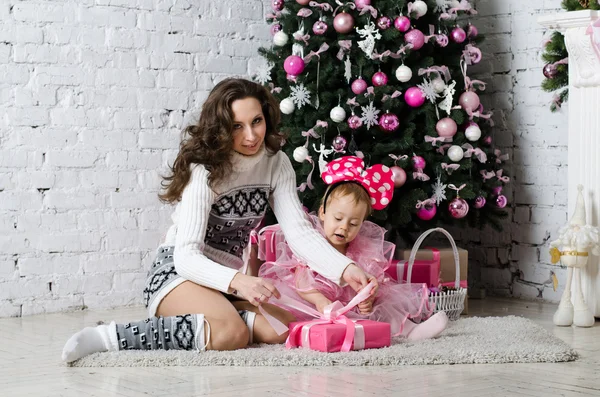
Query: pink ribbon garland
point(441, 39)
point(304, 12)
point(308, 134)
point(322, 6)
point(419, 175)
point(442, 149)
point(450, 168)
point(345, 46)
point(370, 91)
point(352, 6)
point(352, 102)
point(369, 9)
point(395, 94)
point(440, 70)
point(463, 6)
point(458, 189)
point(333, 314)
point(479, 113)
point(434, 140)
point(470, 84)
point(472, 54)
point(300, 37)
point(388, 53)
point(469, 151)
point(396, 158)
point(424, 203)
point(487, 175)
point(324, 47)
point(504, 179)
point(274, 90)
point(500, 157)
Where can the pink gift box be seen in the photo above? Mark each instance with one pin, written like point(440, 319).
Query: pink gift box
point(330, 337)
point(268, 239)
point(423, 271)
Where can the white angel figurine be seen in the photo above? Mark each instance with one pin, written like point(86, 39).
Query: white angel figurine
point(575, 242)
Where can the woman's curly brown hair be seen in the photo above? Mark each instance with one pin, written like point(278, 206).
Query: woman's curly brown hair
point(210, 142)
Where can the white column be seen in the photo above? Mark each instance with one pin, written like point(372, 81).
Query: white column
point(584, 128)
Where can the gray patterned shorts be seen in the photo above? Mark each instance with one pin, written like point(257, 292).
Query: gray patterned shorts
point(162, 278)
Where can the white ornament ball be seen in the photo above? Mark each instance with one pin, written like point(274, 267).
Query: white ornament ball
point(420, 8)
point(287, 106)
point(337, 114)
point(438, 85)
point(403, 73)
point(473, 132)
point(280, 39)
point(455, 153)
point(454, 3)
point(300, 154)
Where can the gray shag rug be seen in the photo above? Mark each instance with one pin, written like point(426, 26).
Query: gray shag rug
point(476, 340)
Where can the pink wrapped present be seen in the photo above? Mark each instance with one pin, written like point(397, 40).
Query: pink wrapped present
point(268, 239)
point(331, 337)
point(423, 271)
point(331, 331)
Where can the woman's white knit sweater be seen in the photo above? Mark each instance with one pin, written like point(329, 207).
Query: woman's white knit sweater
point(212, 227)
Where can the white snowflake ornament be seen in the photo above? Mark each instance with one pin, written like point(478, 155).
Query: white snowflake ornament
point(428, 90)
point(439, 191)
point(263, 72)
point(441, 6)
point(369, 115)
point(300, 95)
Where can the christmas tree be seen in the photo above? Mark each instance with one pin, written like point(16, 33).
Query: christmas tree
point(388, 81)
point(556, 70)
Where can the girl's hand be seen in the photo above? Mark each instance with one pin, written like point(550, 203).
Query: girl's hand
point(256, 290)
point(366, 306)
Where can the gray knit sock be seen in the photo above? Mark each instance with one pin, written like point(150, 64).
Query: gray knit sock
point(163, 333)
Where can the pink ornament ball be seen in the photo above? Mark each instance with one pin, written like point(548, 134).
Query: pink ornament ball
point(398, 176)
point(303, 2)
point(402, 23)
point(479, 202)
point(359, 86)
point(292, 77)
point(550, 71)
point(472, 31)
point(427, 212)
point(275, 28)
point(277, 5)
point(383, 23)
point(388, 122)
point(446, 127)
point(293, 65)
point(416, 38)
point(458, 35)
point(501, 201)
point(414, 97)
point(469, 101)
point(419, 162)
point(379, 79)
point(343, 23)
point(339, 143)
point(497, 190)
point(487, 140)
point(354, 122)
point(360, 4)
point(458, 208)
point(319, 28)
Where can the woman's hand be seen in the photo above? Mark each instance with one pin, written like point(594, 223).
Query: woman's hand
point(256, 290)
point(356, 278)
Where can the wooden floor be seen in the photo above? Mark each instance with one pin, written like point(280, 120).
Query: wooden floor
point(30, 366)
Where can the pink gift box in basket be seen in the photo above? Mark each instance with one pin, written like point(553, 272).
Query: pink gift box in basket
point(424, 271)
point(453, 301)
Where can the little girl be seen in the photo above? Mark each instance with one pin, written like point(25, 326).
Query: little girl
point(349, 200)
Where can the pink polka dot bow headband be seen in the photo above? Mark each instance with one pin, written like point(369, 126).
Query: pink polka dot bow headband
point(377, 179)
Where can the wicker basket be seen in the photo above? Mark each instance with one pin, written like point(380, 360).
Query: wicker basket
point(451, 302)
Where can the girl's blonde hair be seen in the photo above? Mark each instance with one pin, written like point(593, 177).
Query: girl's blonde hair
point(348, 188)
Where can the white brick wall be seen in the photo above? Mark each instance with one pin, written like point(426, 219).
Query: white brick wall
point(93, 96)
point(516, 262)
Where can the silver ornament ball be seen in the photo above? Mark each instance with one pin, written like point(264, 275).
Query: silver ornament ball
point(455, 153)
point(280, 39)
point(403, 73)
point(337, 114)
point(300, 154)
point(287, 106)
